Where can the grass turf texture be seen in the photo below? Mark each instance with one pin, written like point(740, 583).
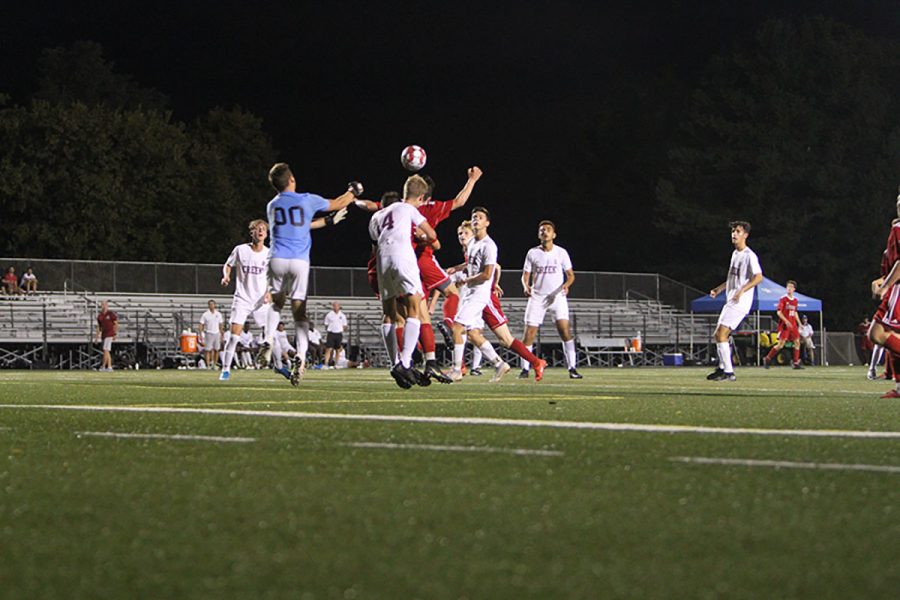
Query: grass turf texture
point(303, 511)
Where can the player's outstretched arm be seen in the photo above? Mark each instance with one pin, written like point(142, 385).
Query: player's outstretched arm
point(425, 233)
point(329, 219)
point(717, 290)
point(367, 205)
point(354, 189)
point(462, 197)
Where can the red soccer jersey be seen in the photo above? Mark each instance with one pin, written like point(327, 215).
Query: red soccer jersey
point(788, 307)
point(107, 321)
point(434, 212)
point(892, 252)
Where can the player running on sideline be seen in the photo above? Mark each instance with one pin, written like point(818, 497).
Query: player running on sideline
point(744, 274)
point(399, 279)
point(546, 278)
point(493, 316)
point(788, 326)
point(290, 216)
point(481, 261)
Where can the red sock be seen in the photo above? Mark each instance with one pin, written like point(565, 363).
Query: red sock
point(888, 366)
point(520, 349)
point(796, 354)
point(451, 303)
point(426, 336)
point(399, 331)
point(892, 343)
point(772, 353)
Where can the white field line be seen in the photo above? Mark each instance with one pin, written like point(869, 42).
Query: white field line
point(162, 436)
point(436, 448)
point(637, 427)
point(785, 464)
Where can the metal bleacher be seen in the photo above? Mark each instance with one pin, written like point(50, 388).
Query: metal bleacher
point(155, 302)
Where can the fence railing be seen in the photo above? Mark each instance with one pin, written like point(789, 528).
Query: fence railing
point(196, 278)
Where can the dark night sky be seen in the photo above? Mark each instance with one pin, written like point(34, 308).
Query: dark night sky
point(343, 86)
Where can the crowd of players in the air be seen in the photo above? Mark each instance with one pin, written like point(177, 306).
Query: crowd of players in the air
point(404, 274)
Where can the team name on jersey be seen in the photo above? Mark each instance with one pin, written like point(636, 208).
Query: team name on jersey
point(540, 270)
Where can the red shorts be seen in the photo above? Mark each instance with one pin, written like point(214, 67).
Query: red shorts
point(888, 313)
point(788, 334)
point(431, 272)
point(492, 314)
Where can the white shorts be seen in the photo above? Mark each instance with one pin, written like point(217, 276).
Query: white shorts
point(289, 275)
point(398, 276)
point(241, 311)
point(471, 305)
point(732, 314)
point(537, 307)
point(107, 344)
point(211, 340)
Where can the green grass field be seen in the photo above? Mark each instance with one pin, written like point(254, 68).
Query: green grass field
point(349, 487)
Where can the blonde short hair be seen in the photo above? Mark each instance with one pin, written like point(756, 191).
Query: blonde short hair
point(414, 187)
point(256, 223)
point(465, 225)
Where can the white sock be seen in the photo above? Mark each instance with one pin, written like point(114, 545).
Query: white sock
point(229, 353)
point(490, 354)
point(389, 331)
point(525, 364)
point(725, 356)
point(302, 340)
point(476, 358)
point(458, 350)
point(876, 357)
point(272, 318)
point(429, 356)
point(276, 356)
point(571, 355)
point(410, 338)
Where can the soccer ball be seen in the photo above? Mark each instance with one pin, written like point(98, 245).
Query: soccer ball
point(412, 158)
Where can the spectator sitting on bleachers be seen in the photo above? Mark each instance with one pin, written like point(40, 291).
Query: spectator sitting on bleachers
point(29, 282)
point(11, 282)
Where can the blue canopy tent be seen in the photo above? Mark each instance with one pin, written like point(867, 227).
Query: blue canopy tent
point(765, 299)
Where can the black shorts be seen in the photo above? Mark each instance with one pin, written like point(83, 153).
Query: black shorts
point(333, 340)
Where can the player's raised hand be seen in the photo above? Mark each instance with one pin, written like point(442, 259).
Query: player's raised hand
point(340, 215)
point(474, 173)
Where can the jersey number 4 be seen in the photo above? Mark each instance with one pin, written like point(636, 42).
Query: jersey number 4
point(388, 222)
point(294, 214)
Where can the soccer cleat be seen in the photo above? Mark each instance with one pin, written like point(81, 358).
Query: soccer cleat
point(455, 375)
point(475, 371)
point(399, 375)
point(798, 366)
point(891, 394)
point(499, 371)
point(225, 376)
point(539, 369)
point(871, 375)
point(573, 374)
point(420, 378)
point(728, 377)
point(434, 373)
point(766, 362)
point(284, 372)
point(446, 333)
point(523, 374)
point(716, 375)
point(264, 356)
point(297, 373)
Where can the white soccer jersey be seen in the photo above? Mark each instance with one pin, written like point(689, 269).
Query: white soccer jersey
point(211, 321)
point(335, 322)
point(480, 254)
point(548, 269)
point(391, 228)
point(744, 265)
point(250, 278)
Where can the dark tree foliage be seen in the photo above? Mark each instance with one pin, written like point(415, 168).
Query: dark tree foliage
point(93, 176)
point(799, 134)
